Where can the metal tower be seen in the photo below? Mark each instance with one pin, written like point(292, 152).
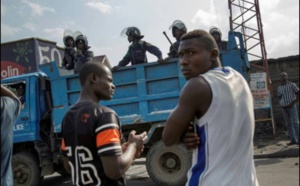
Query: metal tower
point(245, 18)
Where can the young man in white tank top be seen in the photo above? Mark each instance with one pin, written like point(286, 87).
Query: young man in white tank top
point(220, 103)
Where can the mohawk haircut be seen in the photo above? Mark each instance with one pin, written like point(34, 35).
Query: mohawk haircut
point(206, 39)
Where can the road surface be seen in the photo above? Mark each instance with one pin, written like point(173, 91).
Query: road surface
point(270, 172)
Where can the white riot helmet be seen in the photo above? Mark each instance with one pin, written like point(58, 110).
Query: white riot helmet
point(178, 24)
point(68, 34)
point(82, 39)
point(214, 29)
point(132, 31)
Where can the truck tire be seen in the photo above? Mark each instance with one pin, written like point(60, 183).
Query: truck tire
point(168, 165)
point(26, 170)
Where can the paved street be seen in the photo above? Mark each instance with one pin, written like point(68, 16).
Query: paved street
point(278, 172)
point(270, 172)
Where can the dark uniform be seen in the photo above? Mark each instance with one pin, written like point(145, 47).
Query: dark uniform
point(173, 50)
point(89, 131)
point(85, 56)
point(177, 24)
point(82, 58)
point(136, 53)
point(68, 60)
point(222, 45)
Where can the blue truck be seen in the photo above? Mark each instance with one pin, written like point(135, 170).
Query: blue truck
point(144, 97)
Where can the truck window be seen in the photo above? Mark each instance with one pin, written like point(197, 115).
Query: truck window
point(19, 90)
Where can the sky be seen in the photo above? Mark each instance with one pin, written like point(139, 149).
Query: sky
point(103, 20)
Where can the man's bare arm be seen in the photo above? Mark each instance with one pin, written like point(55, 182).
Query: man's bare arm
point(116, 166)
point(194, 99)
point(6, 92)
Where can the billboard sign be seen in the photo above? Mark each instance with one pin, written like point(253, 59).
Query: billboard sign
point(259, 89)
point(24, 56)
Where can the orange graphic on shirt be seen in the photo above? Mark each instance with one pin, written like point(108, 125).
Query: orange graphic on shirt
point(63, 146)
point(108, 136)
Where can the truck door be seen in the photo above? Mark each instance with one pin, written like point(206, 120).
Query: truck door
point(23, 121)
point(22, 126)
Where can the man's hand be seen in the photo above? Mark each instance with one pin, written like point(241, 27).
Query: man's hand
point(114, 68)
point(138, 151)
point(116, 166)
point(162, 61)
point(137, 140)
point(191, 140)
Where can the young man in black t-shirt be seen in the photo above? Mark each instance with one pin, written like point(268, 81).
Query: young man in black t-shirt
point(92, 135)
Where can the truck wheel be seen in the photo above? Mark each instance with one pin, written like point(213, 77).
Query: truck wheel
point(26, 170)
point(168, 165)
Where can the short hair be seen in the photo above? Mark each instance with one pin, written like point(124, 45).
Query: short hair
point(207, 40)
point(89, 68)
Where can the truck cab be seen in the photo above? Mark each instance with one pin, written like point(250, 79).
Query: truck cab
point(33, 106)
point(32, 157)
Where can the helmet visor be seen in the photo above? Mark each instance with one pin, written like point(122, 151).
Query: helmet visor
point(77, 33)
point(178, 24)
point(126, 32)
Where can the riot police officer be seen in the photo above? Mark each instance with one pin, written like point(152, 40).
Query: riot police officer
point(68, 60)
point(83, 53)
point(178, 29)
point(217, 34)
point(136, 53)
point(222, 45)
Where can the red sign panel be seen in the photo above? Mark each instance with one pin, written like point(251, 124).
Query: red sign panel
point(9, 69)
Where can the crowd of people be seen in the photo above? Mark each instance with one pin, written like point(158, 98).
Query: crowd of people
point(92, 136)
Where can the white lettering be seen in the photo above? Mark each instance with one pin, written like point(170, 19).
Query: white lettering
point(58, 55)
point(42, 57)
point(15, 71)
point(18, 127)
point(47, 58)
point(83, 157)
point(3, 73)
point(9, 71)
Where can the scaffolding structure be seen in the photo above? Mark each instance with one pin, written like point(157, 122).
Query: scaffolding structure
point(245, 17)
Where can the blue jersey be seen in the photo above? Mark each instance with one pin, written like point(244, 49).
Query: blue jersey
point(136, 53)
